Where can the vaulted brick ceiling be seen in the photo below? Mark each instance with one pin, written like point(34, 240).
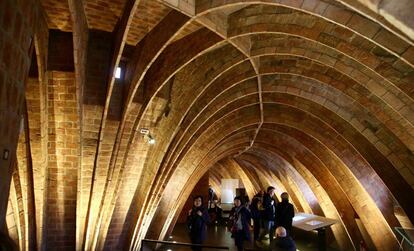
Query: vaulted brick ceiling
point(314, 97)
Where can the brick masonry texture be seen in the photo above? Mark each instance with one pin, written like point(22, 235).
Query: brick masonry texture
point(314, 97)
point(18, 24)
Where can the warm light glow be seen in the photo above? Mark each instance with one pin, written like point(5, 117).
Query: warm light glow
point(151, 141)
point(228, 190)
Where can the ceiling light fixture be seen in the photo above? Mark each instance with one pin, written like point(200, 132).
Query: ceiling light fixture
point(146, 133)
point(6, 154)
point(151, 140)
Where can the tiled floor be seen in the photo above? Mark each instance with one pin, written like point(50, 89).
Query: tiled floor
point(218, 236)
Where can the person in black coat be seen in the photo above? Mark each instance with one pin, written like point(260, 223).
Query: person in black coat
point(197, 221)
point(256, 216)
point(215, 213)
point(282, 241)
point(240, 217)
point(284, 213)
point(269, 213)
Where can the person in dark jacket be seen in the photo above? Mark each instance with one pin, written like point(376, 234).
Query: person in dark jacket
point(256, 216)
point(215, 213)
point(210, 196)
point(284, 213)
point(282, 241)
point(241, 223)
point(197, 222)
point(269, 213)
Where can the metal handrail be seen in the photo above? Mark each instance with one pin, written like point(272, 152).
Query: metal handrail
point(182, 244)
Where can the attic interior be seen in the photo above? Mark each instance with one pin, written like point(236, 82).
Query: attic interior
point(112, 111)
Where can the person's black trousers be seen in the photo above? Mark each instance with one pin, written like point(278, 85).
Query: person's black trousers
point(196, 240)
point(256, 229)
point(239, 239)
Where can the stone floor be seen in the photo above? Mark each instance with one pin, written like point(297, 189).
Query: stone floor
point(218, 236)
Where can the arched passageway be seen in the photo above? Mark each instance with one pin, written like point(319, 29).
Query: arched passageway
point(312, 96)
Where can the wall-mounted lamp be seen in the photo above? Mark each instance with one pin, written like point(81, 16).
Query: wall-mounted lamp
point(6, 154)
point(147, 135)
point(151, 140)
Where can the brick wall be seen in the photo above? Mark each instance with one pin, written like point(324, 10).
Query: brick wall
point(200, 189)
point(17, 25)
point(63, 163)
point(339, 85)
point(99, 48)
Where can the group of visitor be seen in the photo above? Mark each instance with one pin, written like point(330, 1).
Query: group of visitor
point(268, 214)
point(269, 217)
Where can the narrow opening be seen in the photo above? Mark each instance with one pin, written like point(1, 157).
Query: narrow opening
point(118, 73)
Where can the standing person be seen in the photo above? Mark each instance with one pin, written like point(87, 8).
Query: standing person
point(197, 222)
point(247, 201)
point(284, 213)
point(240, 223)
point(215, 213)
point(282, 241)
point(219, 211)
point(210, 196)
point(269, 213)
point(256, 216)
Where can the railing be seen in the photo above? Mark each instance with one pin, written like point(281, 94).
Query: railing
point(147, 244)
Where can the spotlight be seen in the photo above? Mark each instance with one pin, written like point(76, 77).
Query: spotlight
point(151, 140)
point(147, 135)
